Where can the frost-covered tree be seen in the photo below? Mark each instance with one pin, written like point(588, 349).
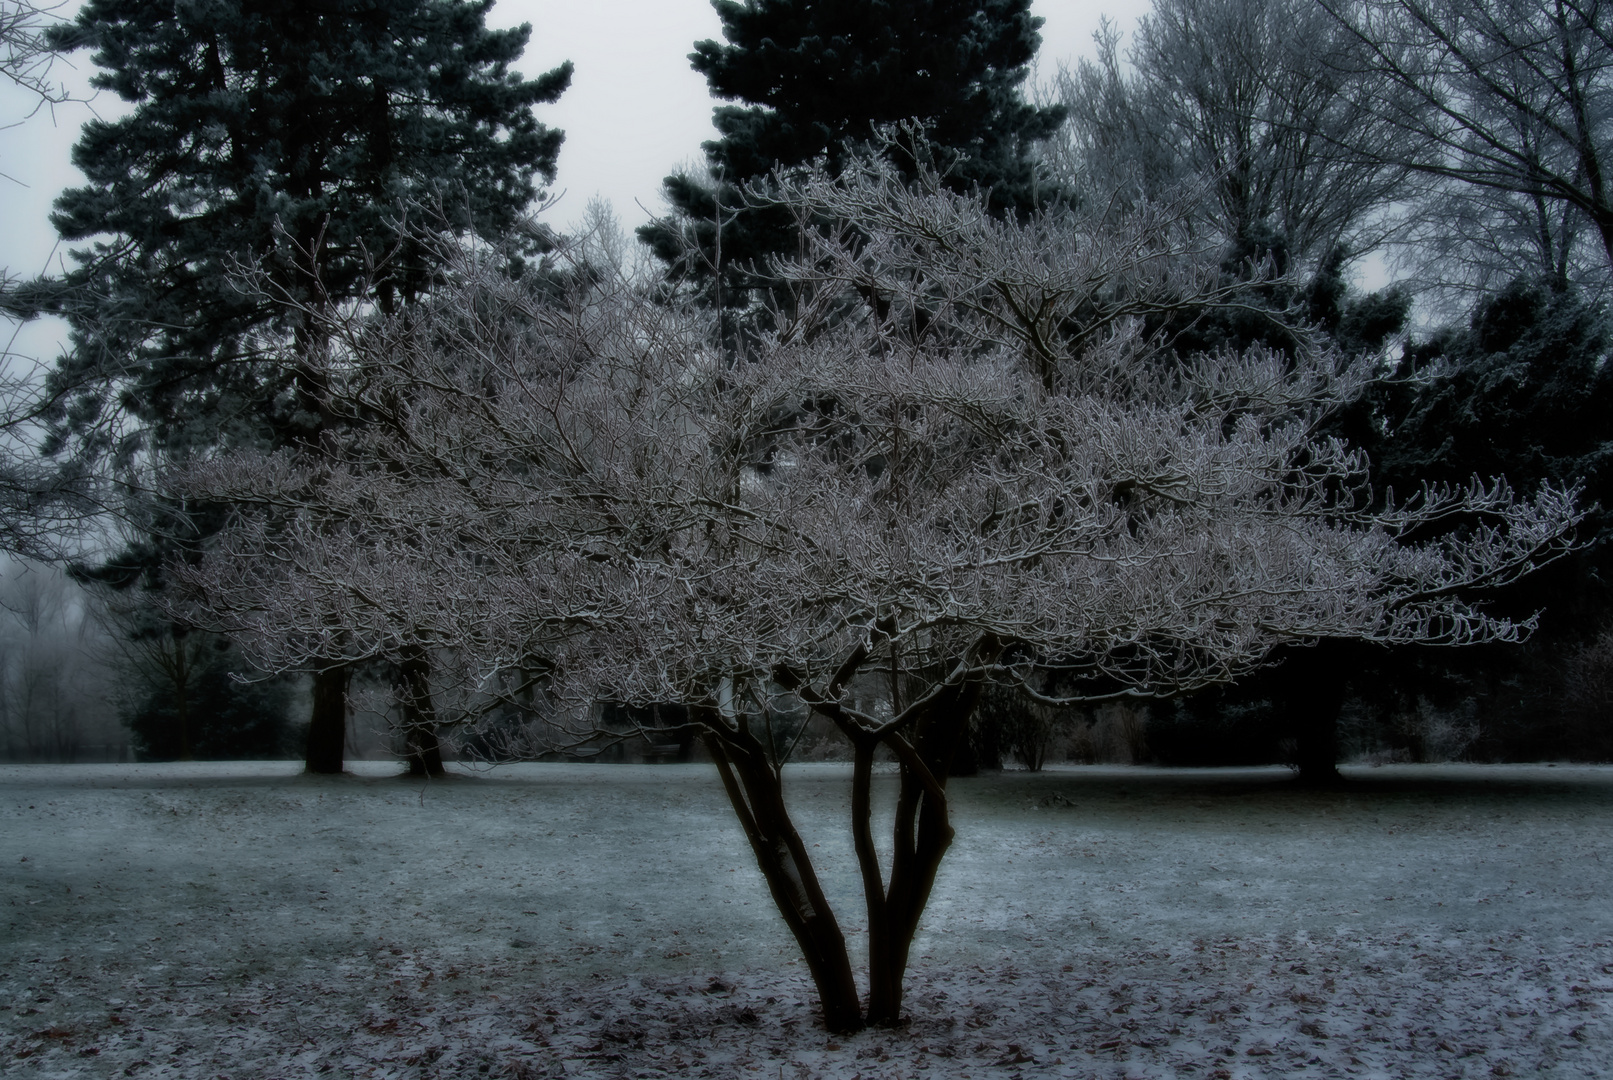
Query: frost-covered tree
point(307, 141)
point(1513, 98)
point(955, 461)
point(53, 691)
point(1249, 102)
point(26, 57)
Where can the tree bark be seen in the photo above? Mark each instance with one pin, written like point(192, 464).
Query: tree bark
point(422, 748)
point(923, 833)
point(181, 677)
point(755, 790)
point(327, 726)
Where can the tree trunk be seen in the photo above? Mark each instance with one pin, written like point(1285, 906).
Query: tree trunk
point(923, 833)
point(755, 790)
point(424, 752)
point(181, 676)
point(1312, 691)
point(1316, 735)
point(327, 726)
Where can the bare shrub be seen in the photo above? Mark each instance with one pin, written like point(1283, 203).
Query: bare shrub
point(1120, 733)
point(1080, 744)
point(1588, 677)
point(1432, 734)
point(1026, 728)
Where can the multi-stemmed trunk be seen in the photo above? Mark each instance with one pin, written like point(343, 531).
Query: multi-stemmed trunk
point(755, 789)
point(922, 832)
point(922, 835)
point(327, 725)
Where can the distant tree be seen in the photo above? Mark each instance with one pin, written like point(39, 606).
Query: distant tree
point(1506, 96)
point(1029, 729)
point(179, 697)
point(815, 80)
point(53, 690)
point(1247, 101)
point(969, 478)
point(307, 141)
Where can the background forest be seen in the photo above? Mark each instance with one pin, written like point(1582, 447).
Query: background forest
point(284, 178)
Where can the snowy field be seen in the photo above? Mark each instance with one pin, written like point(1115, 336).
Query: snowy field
point(241, 920)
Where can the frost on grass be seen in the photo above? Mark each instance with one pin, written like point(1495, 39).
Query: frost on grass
point(1390, 1005)
point(241, 921)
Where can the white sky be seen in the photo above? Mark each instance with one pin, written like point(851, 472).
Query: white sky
point(634, 112)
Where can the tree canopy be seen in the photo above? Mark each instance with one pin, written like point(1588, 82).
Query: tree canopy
point(294, 137)
point(816, 79)
point(1505, 107)
point(1248, 102)
point(982, 471)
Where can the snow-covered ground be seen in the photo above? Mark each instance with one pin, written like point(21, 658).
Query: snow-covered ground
point(242, 920)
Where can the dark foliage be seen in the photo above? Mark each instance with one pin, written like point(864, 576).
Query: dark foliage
point(209, 714)
point(1525, 392)
point(816, 78)
point(296, 136)
point(1522, 392)
point(1278, 314)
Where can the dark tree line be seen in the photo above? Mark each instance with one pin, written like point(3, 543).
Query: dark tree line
point(317, 148)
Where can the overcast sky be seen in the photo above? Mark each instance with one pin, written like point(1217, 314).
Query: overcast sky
point(634, 112)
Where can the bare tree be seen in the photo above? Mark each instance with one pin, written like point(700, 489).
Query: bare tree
point(1252, 102)
point(25, 57)
point(45, 503)
point(955, 461)
point(41, 502)
point(53, 689)
point(1513, 98)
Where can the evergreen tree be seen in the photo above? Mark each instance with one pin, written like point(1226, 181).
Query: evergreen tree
point(181, 701)
point(815, 78)
point(1523, 391)
point(297, 136)
point(307, 139)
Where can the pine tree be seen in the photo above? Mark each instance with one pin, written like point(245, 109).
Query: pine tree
point(296, 135)
point(310, 139)
point(816, 77)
